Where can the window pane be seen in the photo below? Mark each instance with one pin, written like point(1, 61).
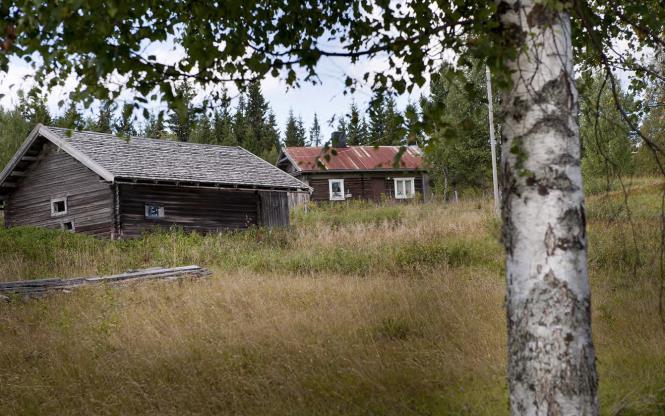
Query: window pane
point(154, 211)
point(409, 187)
point(337, 188)
point(400, 187)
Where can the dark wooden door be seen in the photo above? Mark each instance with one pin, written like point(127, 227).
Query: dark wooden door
point(378, 186)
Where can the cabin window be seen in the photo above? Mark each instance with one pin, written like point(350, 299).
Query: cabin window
point(58, 207)
point(68, 226)
point(336, 187)
point(154, 211)
point(404, 188)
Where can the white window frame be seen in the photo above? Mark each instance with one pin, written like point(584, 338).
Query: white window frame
point(55, 213)
point(405, 181)
point(330, 190)
point(160, 211)
point(73, 229)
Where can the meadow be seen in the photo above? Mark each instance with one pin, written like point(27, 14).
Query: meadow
point(356, 309)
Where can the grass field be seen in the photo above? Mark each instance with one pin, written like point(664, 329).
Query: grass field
point(355, 310)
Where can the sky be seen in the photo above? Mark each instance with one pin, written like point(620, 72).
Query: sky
point(325, 99)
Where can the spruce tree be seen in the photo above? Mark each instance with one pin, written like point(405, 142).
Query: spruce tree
point(239, 122)
point(301, 132)
point(257, 140)
point(271, 133)
point(222, 123)
point(294, 132)
point(356, 127)
point(413, 126)
point(203, 131)
point(124, 125)
point(377, 118)
point(154, 126)
point(315, 132)
point(103, 122)
point(394, 124)
point(183, 116)
point(459, 155)
point(342, 127)
point(71, 119)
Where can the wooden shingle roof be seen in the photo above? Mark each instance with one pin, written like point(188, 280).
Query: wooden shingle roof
point(151, 160)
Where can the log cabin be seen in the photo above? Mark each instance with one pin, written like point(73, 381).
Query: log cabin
point(341, 173)
point(114, 187)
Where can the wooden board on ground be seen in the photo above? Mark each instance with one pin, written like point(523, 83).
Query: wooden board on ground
point(44, 286)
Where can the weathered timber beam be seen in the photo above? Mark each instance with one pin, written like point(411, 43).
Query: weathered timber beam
point(44, 286)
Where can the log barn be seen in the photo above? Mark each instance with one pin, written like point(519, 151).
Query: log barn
point(340, 172)
point(114, 187)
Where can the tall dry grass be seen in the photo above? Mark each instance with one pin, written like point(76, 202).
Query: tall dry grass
point(355, 310)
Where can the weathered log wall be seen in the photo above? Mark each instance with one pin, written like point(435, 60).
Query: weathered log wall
point(367, 186)
point(55, 174)
point(194, 209)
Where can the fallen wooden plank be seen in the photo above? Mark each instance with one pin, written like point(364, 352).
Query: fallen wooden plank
point(42, 287)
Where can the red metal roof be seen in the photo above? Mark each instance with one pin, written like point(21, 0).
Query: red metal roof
point(313, 159)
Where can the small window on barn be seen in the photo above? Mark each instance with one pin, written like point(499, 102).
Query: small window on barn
point(404, 188)
point(58, 207)
point(154, 211)
point(68, 226)
point(336, 187)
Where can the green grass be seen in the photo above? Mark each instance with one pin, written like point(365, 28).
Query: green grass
point(355, 310)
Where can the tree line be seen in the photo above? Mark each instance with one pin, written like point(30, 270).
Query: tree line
point(450, 123)
point(251, 123)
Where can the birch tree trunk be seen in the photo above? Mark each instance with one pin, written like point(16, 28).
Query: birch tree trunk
point(551, 359)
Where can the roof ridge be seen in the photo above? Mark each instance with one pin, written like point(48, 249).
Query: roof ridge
point(97, 133)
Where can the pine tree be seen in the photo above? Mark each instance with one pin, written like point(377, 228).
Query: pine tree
point(315, 132)
point(356, 127)
point(377, 118)
point(183, 116)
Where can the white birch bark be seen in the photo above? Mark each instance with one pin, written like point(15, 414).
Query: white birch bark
point(551, 359)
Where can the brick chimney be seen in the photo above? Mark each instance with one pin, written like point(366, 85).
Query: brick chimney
point(338, 139)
